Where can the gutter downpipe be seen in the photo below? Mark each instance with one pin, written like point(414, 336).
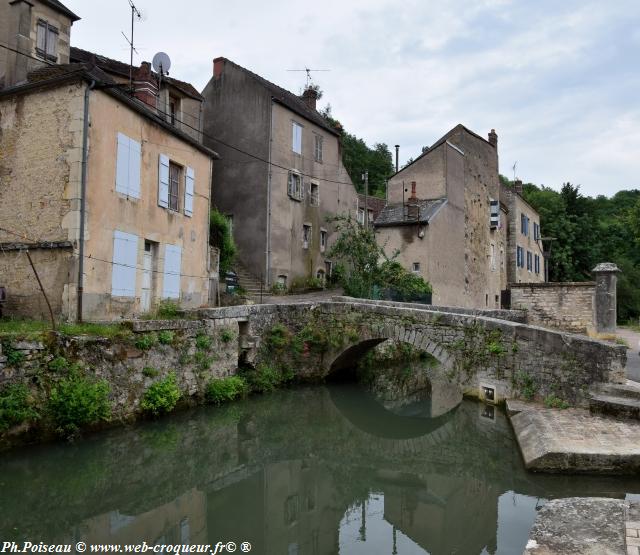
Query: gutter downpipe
point(83, 194)
point(267, 278)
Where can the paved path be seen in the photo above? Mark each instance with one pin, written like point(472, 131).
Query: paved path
point(633, 356)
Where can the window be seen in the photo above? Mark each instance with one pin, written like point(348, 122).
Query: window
point(321, 276)
point(296, 142)
point(174, 185)
point(524, 225)
point(314, 194)
point(493, 257)
point(306, 236)
point(536, 231)
point(529, 261)
point(46, 41)
point(520, 257)
point(318, 148)
point(171, 273)
point(174, 107)
point(125, 260)
point(361, 216)
point(494, 215)
point(415, 267)
point(282, 281)
point(323, 240)
point(369, 216)
point(294, 187)
point(536, 264)
point(188, 192)
point(128, 166)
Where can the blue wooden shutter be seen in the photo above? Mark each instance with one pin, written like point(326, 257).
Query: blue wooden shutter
point(188, 192)
point(163, 181)
point(122, 165)
point(171, 274)
point(125, 259)
point(134, 168)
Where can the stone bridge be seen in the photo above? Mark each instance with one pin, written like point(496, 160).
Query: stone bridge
point(488, 353)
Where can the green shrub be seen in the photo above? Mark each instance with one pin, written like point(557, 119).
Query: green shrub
point(226, 389)
point(58, 364)
point(278, 337)
point(554, 402)
point(76, 401)
point(149, 372)
point(15, 406)
point(145, 341)
point(496, 348)
point(527, 385)
point(220, 236)
point(203, 360)
point(226, 335)
point(203, 342)
point(14, 356)
point(161, 397)
point(165, 337)
point(168, 310)
point(266, 378)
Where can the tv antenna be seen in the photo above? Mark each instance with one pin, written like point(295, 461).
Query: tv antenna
point(134, 13)
point(515, 165)
point(308, 72)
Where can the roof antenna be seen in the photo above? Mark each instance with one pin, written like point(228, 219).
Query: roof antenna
point(308, 72)
point(515, 165)
point(134, 13)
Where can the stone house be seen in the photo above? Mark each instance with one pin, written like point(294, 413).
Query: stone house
point(73, 143)
point(525, 252)
point(280, 176)
point(38, 28)
point(445, 219)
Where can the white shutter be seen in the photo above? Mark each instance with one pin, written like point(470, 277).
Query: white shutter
point(188, 192)
point(171, 274)
point(122, 165)
point(134, 168)
point(163, 181)
point(125, 259)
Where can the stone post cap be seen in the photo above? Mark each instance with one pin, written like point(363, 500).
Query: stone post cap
point(606, 267)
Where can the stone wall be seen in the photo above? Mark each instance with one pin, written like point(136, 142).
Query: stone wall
point(195, 351)
point(566, 306)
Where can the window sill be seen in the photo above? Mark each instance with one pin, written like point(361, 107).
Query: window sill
point(297, 199)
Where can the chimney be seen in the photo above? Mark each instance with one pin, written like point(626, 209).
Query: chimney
point(19, 29)
point(218, 67)
point(518, 186)
point(493, 138)
point(145, 86)
point(413, 191)
point(310, 96)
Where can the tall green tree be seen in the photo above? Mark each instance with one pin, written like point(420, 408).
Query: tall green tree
point(357, 158)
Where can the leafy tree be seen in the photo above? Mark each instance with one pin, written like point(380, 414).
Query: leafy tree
point(363, 266)
point(357, 158)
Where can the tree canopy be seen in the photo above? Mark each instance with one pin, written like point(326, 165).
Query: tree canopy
point(357, 157)
point(588, 231)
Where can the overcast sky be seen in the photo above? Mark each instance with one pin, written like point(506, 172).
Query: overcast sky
point(559, 81)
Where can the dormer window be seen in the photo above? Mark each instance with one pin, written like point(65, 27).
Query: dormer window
point(47, 41)
point(174, 109)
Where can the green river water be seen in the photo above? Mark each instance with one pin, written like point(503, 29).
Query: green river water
point(313, 471)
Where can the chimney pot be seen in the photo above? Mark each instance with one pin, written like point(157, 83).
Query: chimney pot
point(493, 138)
point(518, 186)
point(218, 67)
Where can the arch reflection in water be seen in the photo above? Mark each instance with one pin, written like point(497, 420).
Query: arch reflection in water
point(290, 473)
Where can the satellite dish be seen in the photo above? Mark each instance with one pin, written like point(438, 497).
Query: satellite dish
point(161, 63)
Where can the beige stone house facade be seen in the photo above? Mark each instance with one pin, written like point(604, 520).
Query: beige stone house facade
point(280, 178)
point(35, 32)
point(71, 143)
point(525, 251)
point(445, 219)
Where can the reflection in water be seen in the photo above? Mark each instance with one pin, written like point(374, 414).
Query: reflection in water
point(310, 471)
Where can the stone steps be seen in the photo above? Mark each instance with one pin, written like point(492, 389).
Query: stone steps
point(618, 400)
point(249, 282)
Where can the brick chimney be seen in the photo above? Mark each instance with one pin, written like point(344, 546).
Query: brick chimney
point(518, 186)
point(310, 96)
point(493, 138)
point(413, 191)
point(218, 67)
point(145, 86)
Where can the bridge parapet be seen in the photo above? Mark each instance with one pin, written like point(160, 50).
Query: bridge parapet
point(476, 349)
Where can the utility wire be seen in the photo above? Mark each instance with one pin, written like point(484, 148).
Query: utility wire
point(224, 143)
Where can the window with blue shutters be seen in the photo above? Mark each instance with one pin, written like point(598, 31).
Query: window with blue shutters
point(171, 272)
point(529, 261)
point(128, 166)
point(163, 181)
point(125, 260)
point(188, 192)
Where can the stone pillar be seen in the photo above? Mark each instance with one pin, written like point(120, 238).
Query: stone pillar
point(605, 301)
